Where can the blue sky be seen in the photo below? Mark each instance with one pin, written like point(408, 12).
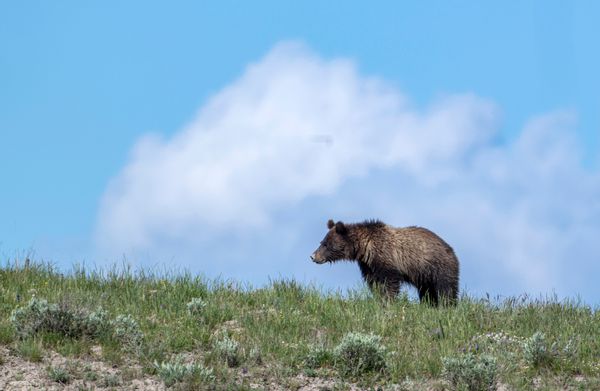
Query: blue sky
point(483, 125)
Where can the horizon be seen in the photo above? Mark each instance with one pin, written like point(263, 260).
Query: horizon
point(359, 290)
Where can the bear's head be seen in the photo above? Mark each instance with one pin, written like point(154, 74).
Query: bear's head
point(335, 246)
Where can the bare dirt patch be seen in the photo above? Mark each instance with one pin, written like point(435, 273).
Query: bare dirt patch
point(17, 373)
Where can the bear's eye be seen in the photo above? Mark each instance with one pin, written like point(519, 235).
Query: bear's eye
point(324, 244)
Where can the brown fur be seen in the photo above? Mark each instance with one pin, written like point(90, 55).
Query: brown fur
point(389, 256)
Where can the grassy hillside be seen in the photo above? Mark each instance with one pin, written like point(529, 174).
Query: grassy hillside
point(116, 329)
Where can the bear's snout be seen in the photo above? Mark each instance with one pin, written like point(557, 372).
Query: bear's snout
point(316, 258)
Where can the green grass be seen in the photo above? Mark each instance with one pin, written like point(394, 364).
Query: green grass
point(296, 329)
point(30, 349)
point(59, 375)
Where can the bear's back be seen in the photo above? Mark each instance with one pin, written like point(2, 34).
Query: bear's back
point(414, 245)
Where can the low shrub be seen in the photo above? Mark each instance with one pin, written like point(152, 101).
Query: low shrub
point(126, 331)
point(255, 356)
point(536, 351)
point(111, 380)
point(359, 353)
point(175, 371)
point(64, 319)
point(470, 372)
point(317, 356)
point(196, 306)
point(59, 375)
point(229, 350)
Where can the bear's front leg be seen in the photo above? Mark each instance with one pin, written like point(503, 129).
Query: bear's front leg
point(381, 285)
point(391, 288)
point(369, 276)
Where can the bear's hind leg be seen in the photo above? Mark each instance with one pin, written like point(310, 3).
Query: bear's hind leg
point(428, 294)
point(449, 293)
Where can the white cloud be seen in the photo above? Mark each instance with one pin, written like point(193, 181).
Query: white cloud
point(296, 128)
point(292, 126)
point(519, 215)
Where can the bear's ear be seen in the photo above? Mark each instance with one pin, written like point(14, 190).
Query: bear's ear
point(340, 228)
point(330, 224)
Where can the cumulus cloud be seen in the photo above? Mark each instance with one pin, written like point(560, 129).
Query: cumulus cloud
point(298, 137)
point(292, 126)
point(521, 215)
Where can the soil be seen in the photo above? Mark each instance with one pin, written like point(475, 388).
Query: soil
point(17, 373)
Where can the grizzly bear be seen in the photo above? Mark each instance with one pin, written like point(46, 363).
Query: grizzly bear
point(388, 256)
